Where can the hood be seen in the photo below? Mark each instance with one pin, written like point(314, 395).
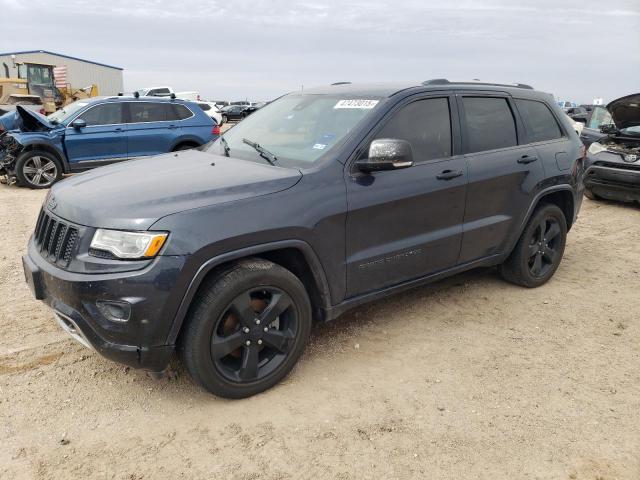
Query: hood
point(625, 111)
point(135, 194)
point(32, 122)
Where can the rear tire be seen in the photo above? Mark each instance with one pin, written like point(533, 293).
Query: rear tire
point(538, 253)
point(37, 169)
point(224, 119)
point(246, 329)
point(185, 146)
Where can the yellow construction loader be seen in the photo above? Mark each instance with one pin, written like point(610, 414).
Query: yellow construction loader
point(20, 91)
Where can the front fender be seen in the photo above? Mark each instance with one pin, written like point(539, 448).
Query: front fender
point(48, 141)
point(206, 267)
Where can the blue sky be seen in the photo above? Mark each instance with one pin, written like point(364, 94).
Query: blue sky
point(240, 49)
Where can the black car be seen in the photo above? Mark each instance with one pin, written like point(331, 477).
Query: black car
point(317, 203)
point(578, 114)
point(233, 113)
point(613, 159)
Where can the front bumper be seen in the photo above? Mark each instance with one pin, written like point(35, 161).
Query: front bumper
point(139, 342)
point(614, 182)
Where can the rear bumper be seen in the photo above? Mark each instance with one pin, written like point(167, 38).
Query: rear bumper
point(137, 342)
point(614, 183)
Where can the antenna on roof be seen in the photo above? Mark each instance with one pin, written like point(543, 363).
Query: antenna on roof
point(341, 83)
point(136, 94)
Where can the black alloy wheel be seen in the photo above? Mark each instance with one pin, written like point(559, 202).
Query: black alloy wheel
point(543, 247)
point(253, 336)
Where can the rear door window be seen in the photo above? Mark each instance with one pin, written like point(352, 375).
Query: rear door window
point(426, 125)
point(143, 112)
point(540, 123)
point(490, 123)
point(105, 114)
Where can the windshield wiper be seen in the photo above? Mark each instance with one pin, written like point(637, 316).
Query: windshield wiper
point(264, 153)
point(225, 145)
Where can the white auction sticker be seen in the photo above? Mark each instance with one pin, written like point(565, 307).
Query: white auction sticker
point(368, 104)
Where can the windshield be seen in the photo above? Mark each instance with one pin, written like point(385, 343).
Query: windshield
point(66, 112)
point(599, 116)
point(297, 129)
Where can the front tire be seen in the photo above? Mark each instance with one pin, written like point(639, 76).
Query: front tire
point(246, 329)
point(225, 119)
point(37, 169)
point(538, 253)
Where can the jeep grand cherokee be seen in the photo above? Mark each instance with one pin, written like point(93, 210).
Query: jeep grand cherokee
point(314, 204)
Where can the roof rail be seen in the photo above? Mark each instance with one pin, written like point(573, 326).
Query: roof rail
point(444, 81)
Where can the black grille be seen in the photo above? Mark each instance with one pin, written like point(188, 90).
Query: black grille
point(55, 239)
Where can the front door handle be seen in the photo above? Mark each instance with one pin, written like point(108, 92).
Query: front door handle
point(527, 159)
point(449, 174)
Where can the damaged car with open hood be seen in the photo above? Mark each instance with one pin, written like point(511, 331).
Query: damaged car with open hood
point(612, 166)
point(90, 133)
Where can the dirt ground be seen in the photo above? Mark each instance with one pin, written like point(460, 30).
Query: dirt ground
point(470, 378)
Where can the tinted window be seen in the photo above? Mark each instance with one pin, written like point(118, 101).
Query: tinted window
point(180, 112)
point(490, 124)
point(147, 112)
point(205, 107)
point(540, 122)
point(426, 125)
point(106, 114)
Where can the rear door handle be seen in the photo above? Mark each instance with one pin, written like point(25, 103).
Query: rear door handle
point(119, 130)
point(527, 159)
point(172, 127)
point(449, 174)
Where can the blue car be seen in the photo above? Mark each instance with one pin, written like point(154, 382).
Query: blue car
point(90, 133)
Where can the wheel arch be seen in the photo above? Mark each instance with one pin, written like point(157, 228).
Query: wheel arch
point(49, 149)
point(191, 142)
point(560, 195)
point(296, 256)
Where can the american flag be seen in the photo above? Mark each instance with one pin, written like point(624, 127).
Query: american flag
point(60, 76)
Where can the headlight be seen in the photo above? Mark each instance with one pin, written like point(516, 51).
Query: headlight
point(596, 148)
point(128, 244)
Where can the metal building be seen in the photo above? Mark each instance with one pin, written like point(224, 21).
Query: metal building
point(79, 73)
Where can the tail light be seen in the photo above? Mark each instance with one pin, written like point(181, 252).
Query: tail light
point(215, 130)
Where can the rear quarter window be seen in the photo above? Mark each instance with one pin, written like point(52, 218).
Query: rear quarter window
point(180, 112)
point(490, 124)
point(539, 122)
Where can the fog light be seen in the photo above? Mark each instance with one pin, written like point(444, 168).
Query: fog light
point(114, 311)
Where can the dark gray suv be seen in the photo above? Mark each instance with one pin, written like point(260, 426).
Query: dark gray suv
point(318, 202)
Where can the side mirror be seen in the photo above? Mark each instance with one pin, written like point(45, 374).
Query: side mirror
point(78, 124)
point(387, 154)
